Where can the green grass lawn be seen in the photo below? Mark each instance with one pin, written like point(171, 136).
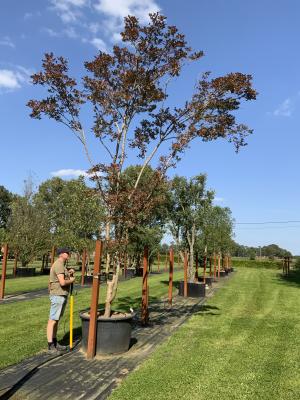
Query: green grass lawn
point(245, 345)
point(23, 324)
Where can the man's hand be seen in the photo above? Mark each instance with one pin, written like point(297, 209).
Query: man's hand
point(71, 271)
point(72, 279)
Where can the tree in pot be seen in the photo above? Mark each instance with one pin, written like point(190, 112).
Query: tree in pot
point(127, 90)
point(215, 238)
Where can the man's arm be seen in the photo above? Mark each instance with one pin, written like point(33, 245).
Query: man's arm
point(63, 281)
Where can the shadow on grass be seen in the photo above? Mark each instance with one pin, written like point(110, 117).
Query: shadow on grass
point(175, 283)
point(292, 279)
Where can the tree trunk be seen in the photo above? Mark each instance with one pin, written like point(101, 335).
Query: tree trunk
point(191, 242)
point(111, 290)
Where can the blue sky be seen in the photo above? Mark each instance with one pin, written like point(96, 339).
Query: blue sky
point(261, 38)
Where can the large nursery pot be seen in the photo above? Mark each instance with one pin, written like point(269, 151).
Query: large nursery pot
point(208, 280)
point(194, 289)
point(25, 271)
point(223, 274)
point(113, 334)
point(88, 279)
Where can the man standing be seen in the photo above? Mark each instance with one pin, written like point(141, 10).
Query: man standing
point(60, 281)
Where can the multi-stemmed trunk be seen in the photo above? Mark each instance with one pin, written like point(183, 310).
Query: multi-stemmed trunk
point(191, 235)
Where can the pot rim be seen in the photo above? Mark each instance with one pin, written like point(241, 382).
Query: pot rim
point(129, 316)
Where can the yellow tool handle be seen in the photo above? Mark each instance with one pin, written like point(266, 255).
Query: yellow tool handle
point(71, 321)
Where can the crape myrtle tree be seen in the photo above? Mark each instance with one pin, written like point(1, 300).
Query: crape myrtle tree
point(5, 210)
point(28, 226)
point(74, 211)
point(152, 215)
point(127, 90)
point(189, 203)
point(217, 231)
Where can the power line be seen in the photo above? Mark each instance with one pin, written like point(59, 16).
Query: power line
point(266, 222)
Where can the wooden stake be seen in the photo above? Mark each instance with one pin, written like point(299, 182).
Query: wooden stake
point(204, 269)
point(185, 267)
point(16, 264)
point(158, 262)
point(91, 349)
point(125, 265)
point(145, 311)
point(210, 263)
point(197, 265)
point(4, 264)
point(215, 266)
point(219, 265)
point(166, 262)
point(171, 269)
point(52, 255)
point(83, 266)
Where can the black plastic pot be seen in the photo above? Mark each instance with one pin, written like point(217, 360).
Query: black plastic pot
point(208, 280)
point(113, 334)
point(196, 289)
point(223, 274)
point(21, 272)
point(139, 272)
point(45, 271)
point(88, 279)
point(130, 273)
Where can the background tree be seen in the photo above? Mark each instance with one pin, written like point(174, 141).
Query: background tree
point(5, 210)
point(151, 212)
point(28, 227)
point(74, 210)
point(127, 90)
point(217, 231)
point(189, 201)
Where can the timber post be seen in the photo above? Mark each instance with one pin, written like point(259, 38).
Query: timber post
point(185, 266)
point(4, 265)
point(171, 269)
point(145, 294)
point(91, 348)
point(83, 266)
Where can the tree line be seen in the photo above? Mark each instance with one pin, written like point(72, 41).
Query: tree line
point(70, 213)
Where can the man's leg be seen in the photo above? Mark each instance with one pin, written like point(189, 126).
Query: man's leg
point(51, 330)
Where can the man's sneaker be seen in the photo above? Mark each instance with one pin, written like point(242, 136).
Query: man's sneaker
point(60, 347)
point(54, 350)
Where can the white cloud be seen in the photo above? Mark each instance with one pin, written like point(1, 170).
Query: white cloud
point(116, 10)
point(99, 44)
point(122, 8)
point(6, 41)
point(70, 32)
point(219, 200)
point(8, 79)
point(69, 173)
point(69, 10)
point(29, 15)
point(50, 32)
point(285, 109)
point(13, 79)
point(75, 13)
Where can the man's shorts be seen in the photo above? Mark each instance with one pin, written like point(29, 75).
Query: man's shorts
point(57, 308)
